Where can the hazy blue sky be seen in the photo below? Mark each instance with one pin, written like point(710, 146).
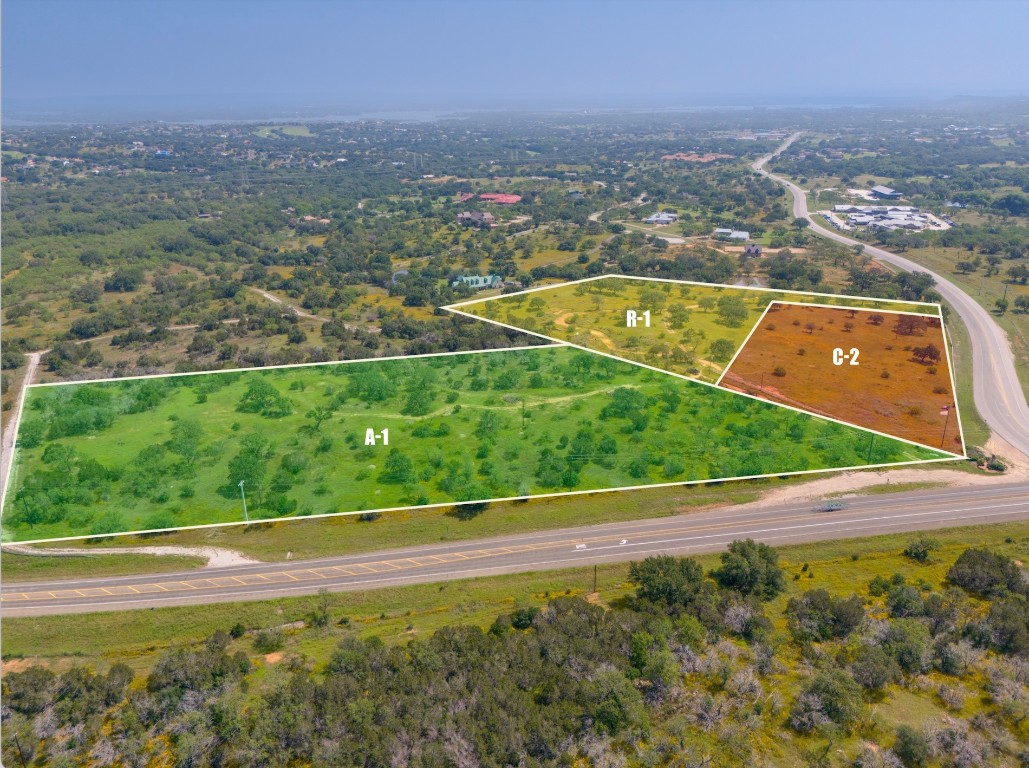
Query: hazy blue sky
point(456, 53)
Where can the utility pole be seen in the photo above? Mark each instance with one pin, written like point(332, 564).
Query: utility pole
point(21, 755)
point(594, 579)
point(246, 517)
point(945, 411)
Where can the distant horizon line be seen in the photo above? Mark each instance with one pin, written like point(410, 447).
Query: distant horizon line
point(211, 109)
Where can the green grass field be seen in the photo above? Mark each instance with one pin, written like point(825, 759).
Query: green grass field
point(694, 329)
point(986, 290)
point(149, 454)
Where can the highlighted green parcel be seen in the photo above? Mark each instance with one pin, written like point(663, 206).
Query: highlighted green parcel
point(101, 458)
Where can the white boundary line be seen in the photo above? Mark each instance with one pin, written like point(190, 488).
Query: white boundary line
point(295, 518)
point(847, 309)
point(556, 343)
point(705, 383)
point(869, 299)
point(953, 385)
point(744, 343)
point(950, 368)
point(27, 387)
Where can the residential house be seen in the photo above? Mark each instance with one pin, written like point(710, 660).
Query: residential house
point(662, 218)
point(500, 198)
point(476, 219)
point(479, 282)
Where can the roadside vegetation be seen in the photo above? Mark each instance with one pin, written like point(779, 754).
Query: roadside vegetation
point(973, 175)
point(902, 649)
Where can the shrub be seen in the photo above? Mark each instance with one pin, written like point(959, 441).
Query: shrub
point(907, 641)
point(675, 583)
point(904, 601)
point(831, 697)
point(779, 371)
point(919, 549)
point(817, 615)
point(269, 640)
point(751, 568)
point(873, 668)
point(111, 522)
point(986, 573)
point(911, 747)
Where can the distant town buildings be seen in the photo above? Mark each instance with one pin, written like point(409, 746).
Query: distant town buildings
point(693, 157)
point(732, 234)
point(765, 135)
point(500, 198)
point(479, 282)
point(477, 219)
point(662, 218)
point(888, 217)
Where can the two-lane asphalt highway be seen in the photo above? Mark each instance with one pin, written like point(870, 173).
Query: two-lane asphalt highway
point(680, 535)
point(998, 393)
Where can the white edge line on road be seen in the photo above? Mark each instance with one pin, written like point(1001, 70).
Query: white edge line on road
point(604, 530)
point(467, 573)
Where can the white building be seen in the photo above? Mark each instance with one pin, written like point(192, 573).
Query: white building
point(889, 217)
point(662, 218)
point(479, 282)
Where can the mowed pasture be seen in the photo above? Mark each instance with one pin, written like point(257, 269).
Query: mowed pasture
point(694, 328)
point(900, 383)
point(102, 458)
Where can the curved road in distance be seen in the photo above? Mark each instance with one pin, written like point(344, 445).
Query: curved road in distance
point(708, 531)
point(997, 391)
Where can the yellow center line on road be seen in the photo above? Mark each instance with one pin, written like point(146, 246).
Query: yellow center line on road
point(375, 566)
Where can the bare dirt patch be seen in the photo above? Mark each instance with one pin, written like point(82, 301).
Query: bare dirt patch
point(851, 483)
point(898, 382)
